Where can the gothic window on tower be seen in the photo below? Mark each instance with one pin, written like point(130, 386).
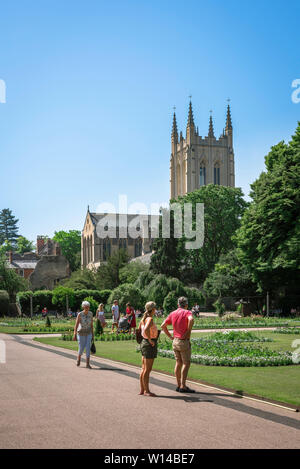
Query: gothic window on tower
point(202, 180)
point(217, 175)
point(138, 247)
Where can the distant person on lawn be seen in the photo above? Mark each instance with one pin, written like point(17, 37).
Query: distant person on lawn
point(84, 332)
point(182, 321)
point(131, 317)
point(115, 315)
point(100, 315)
point(148, 347)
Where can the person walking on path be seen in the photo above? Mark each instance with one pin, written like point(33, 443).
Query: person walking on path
point(131, 317)
point(148, 347)
point(84, 332)
point(115, 315)
point(182, 321)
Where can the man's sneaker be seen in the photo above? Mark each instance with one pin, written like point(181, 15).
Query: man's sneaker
point(187, 390)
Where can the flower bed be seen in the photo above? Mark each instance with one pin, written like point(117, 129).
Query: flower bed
point(287, 330)
point(104, 337)
point(228, 337)
point(229, 353)
point(207, 323)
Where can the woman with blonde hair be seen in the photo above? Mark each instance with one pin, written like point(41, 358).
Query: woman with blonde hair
point(148, 346)
point(100, 315)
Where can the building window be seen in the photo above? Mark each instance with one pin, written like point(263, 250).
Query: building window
point(106, 249)
point(122, 243)
point(217, 175)
point(202, 176)
point(138, 248)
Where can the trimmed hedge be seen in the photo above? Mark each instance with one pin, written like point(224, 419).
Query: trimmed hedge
point(4, 303)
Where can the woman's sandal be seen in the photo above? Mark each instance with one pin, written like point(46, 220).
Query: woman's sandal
point(187, 390)
point(150, 394)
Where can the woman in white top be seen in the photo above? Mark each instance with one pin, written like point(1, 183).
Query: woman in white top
point(100, 315)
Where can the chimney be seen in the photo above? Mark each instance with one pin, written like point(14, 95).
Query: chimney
point(57, 251)
point(40, 243)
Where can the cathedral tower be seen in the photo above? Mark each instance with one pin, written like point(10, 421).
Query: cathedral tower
point(197, 161)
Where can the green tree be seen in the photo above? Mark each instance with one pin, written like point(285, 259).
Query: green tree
point(59, 297)
point(10, 280)
point(131, 271)
point(24, 245)
point(8, 226)
point(82, 279)
point(223, 208)
point(108, 275)
point(70, 243)
point(230, 277)
point(268, 239)
point(127, 293)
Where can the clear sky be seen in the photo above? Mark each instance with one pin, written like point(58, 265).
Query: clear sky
point(91, 87)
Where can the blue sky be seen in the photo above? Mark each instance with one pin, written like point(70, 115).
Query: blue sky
point(91, 86)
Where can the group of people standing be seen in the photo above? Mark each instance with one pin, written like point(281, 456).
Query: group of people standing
point(181, 321)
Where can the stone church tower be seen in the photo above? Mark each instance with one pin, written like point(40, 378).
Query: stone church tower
point(197, 161)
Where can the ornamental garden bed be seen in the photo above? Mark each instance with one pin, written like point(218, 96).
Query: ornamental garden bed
point(240, 349)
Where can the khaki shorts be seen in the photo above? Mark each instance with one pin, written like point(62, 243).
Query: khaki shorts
point(182, 350)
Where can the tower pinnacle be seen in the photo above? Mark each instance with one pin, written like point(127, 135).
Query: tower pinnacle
point(174, 129)
point(228, 119)
point(211, 127)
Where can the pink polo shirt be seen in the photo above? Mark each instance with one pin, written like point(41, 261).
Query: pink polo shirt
point(179, 321)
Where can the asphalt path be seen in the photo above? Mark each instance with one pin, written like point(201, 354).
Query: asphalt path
point(48, 402)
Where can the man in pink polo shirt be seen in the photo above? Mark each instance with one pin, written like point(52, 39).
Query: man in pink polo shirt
point(182, 321)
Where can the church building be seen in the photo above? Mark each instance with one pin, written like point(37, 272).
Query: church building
point(197, 161)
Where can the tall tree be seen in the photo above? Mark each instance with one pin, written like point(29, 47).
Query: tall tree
point(8, 226)
point(24, 245)
point(223, 208)
point(70, 243)
point(108, 275)
point(268, 239)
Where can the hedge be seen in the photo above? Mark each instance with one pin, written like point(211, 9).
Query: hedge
point(4, 303)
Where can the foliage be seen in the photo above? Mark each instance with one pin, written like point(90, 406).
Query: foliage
point(108, 275)
point(144, 279)
point(8, 227)
point(229, 278)
point(170, 302)
point(268, 239)
point(219, 307)
point(48, 322)
point(93, 304)
point(287, 330)
point(127, 293)
point(131, 271)
point(223, 208)
point(217, 353)
point(231, 336)
point(24, 245)
point(59, 297)
point(70, 244)
point(82, 279)
point(4, 303)
point(98, 328)
point(10, 280)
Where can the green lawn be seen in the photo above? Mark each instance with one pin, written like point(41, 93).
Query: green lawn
point(279, 383)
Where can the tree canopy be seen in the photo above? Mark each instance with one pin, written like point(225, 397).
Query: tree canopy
point(70, 243)
point(8, 227)
point(268, 239)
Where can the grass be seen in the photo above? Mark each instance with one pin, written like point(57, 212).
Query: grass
point(278, 383)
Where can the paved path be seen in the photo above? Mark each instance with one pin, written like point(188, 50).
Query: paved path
point(47, 402)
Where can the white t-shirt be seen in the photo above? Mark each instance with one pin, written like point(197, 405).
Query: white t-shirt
point(115, 312)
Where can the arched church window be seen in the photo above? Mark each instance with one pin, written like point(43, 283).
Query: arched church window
point(217, 174)
point(202, 180)
point(106, 249)
point(138, 247)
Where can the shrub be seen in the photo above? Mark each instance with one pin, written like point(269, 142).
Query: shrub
point(59, 297)
point(127, 293)
point(4, 303)
point(93, 304)
point(219, 307)
point(98, 328)
point(48, 322)
point(170, 302)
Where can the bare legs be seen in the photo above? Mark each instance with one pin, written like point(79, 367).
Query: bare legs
point(147, 364)
point(181, 372)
